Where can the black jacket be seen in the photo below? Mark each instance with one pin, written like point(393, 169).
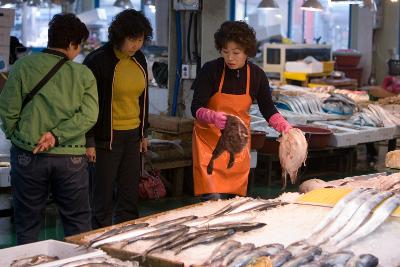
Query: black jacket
point(102, 63)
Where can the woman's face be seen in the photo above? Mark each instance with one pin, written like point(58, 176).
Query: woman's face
point(234, 55)
point(131, 45)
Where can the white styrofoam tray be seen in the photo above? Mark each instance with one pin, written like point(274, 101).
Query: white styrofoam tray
point(65, 251)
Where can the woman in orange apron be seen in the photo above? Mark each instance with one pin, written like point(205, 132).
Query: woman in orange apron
point(228, 85)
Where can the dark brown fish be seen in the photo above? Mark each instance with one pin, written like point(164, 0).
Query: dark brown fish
point(233, 139)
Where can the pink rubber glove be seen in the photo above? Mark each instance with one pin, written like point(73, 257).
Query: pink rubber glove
point(212, 117)
point(278, 122)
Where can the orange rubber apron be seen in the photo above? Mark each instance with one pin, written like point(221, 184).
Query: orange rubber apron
point(205, 138)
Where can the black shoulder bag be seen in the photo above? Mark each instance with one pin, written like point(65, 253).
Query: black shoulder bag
point(43, 81)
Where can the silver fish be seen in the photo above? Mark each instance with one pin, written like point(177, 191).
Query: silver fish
point(231, 218)
point(280, 258)
point(162, 244)
point(115, 231)
point(238, 227)
point(307, 256)
point(186, 238)
point(206, 239)
point(221, 251)
point(84, 262)
point(336, 259)
point(297, 248)
point(230, 206)
point(336, 210)
point(243, 259)
point(364, 260)
point(34, 260)
point(378, 217)
point(235, 253)
point(177, 221)
point(344, 216)
point(155, 234)
point(360, 216)
point(246, 206)
point(123, 236)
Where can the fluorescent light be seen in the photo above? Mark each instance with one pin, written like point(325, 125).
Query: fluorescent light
point(312, 5)
point(268, 5)
point(123, 4)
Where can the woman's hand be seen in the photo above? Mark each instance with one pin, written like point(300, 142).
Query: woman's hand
point(143, 145)
point(46, 142)
point(91, 154)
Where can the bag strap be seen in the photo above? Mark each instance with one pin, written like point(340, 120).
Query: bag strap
point(43, 81)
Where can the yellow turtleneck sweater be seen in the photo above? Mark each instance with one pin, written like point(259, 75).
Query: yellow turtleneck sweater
point(129, 83)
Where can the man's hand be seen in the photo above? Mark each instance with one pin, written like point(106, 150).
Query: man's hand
point(46, 142)
point(143, 145)
point(91, 154)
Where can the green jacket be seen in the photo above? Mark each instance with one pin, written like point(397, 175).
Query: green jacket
point(66, 105)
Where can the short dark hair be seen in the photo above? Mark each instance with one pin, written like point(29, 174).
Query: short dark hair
point(66, 28)
point(239, 32)
point(129, 23)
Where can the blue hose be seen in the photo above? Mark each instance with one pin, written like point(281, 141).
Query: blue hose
point(178, 63)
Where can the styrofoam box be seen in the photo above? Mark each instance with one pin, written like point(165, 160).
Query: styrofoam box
point(5, 180)
point(5, 55)
point(301, 66)
point(7, 16)
point(65, 251)
point(5, 36)
point(253, 159)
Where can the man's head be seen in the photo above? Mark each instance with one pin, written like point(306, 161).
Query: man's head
point(67, 32)
point(128, 30)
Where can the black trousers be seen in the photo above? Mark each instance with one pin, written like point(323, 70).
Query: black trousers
point(31, 178)
point(117, 171)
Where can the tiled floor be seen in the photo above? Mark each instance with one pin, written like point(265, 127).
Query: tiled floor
point(52, 228)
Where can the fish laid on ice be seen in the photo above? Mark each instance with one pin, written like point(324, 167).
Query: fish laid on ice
point(162, 244)
point(307, 256)
point(378, 217)
point(115, 231)
point(292, 153)
point(230, 218)
point(123, 236)
point(336, 210)
point(339, 258)
point(84, 262)
point(155, 234)
point(206, 239)
point(34, 260)
point(243, 259)
point(236, 252)
point(221, 251)
point(279, 259)
point(364, 260)
point(360, 216)
point(343, 217)
point(238, 227)
point(233, 139)
point(297, 248)
point(231, 206)
point(176, 221)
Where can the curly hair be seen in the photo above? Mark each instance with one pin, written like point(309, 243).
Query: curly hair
point(66, 28)
point(239, 32)
point(129, 23)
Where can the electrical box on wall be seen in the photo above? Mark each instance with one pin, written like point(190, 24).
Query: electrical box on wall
point(187, 5)
point(189, 71)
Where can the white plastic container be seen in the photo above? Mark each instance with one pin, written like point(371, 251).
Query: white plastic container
point(65, 251)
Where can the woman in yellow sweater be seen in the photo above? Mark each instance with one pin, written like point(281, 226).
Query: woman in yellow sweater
point(120, 132)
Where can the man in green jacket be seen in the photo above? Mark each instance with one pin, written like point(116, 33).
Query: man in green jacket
point(48, 133)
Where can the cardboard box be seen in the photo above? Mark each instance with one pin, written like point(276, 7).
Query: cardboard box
point(65, 251)
point(168, 124)
point(7, 16)
point(5, 36)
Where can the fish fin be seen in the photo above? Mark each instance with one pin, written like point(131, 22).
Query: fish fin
point(231, 160)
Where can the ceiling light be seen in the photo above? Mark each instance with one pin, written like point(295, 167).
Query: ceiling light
point(268, 5)
point(312, 5)
point(123, 4)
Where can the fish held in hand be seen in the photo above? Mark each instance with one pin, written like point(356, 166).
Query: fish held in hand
point(292, 154)
point(233, 139)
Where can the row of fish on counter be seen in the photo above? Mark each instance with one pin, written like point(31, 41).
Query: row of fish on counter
point(99, 261)
point(346, 223)
point(375, 116)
